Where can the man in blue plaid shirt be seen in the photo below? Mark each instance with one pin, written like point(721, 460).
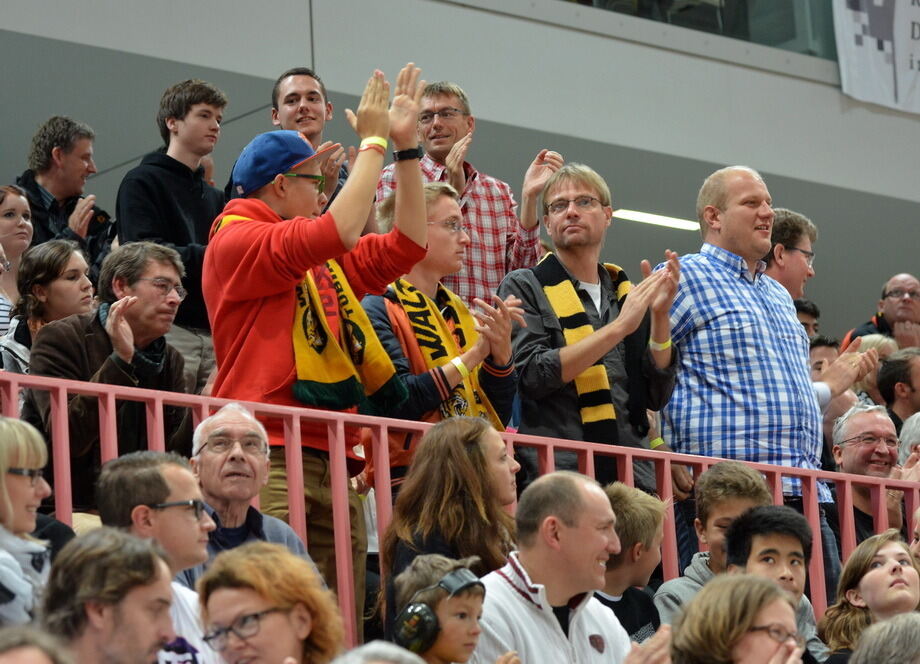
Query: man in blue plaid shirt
point(743, 385)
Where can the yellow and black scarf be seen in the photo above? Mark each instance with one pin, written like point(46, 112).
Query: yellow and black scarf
point(598, 416)
point(439, 343)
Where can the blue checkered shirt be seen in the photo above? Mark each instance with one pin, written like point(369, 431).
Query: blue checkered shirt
point(743, 385)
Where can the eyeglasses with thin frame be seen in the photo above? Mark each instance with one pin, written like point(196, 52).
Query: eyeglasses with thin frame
point(34, 474)
point(866, 439)
point(244, 627)
point(898, 293)
point(780, 634)
point(165, 286)
point(251, 445)
point(452, 225)
point(583, 203)
point(196, 504)
point(809, 255)
point(447, 114)
point(319, 180)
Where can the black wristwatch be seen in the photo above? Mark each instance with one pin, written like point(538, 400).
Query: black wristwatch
point(412, 153)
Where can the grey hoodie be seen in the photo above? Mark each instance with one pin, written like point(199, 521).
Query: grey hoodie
point(673, 595)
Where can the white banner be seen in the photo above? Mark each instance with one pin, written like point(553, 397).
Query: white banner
point(878, 48)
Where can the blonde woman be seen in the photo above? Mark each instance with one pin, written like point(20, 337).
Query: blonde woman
point(24, 561)
point(738, 619)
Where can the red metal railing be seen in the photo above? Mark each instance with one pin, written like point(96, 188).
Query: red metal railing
point(11, 383)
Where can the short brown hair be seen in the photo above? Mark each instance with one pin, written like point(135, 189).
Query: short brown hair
point(178, 100)
point(729, 480)
point(579, 174)
point(58, 131)
point(419, 581)
point(131, 480)
point(556, 494)
point(101, 566)
point(129, 261)
point(639, 517)
point(297, 71)
point(386, 209)
point(286, 580)
point(439, 88)
point(788, 230)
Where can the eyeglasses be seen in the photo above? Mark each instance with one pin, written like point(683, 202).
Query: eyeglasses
point(319, 180)
point(809, 255)
point(780, 634)
point(447, 114)
point(196, 504)
point(897, 294)
point(220, 444)
point(34, 474)
point(871, 441)
point(165, 286)
point(244, 627)
point(452, 225)
point(583, 203)
point(5, 266)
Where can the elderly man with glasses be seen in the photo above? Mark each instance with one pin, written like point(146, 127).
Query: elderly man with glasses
point(501, 239)
point(898, 313)
point(866, 443)
point(120, 343)
point(231, 461)
point(155, 495)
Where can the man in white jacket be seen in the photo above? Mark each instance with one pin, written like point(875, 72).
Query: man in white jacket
point(541, 603)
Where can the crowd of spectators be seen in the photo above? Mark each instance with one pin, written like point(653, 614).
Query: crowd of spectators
point(291, 287)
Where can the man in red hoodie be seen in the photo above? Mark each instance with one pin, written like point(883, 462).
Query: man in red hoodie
point(283, 283)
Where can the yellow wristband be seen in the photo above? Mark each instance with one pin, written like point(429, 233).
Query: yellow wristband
point(658, 442)
point(654, 345)
point(461, 367)
point(375, 140)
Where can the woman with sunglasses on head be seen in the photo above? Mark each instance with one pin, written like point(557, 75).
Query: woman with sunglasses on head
point(738, 619)
point(881, 579)
point(53, 283)
point(24, 561)
point(15, 238)
point(453, 502)
point(260, 602)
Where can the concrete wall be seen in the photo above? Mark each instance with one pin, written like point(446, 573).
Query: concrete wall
point(652, 107)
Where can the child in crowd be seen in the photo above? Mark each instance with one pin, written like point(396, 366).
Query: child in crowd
point(640, 523)
point(774, 542)
point(440, 602)
point(723, 493)
point(880, 580)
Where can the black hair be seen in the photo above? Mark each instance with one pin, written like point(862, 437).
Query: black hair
point(765, 520)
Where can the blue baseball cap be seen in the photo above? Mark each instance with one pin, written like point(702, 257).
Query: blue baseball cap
point(269, 154)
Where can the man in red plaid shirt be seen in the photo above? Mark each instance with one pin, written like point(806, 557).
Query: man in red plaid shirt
point(500, 242)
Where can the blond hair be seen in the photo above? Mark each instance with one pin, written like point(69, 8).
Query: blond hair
point(714, 191)
point(579, 174)
point(386, 209)
point(22, 447)
point(639, 518)
point(729, 480)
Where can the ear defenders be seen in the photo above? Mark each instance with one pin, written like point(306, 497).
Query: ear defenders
point(416, 628)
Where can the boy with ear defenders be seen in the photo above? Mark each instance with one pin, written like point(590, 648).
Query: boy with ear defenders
point(440, 603)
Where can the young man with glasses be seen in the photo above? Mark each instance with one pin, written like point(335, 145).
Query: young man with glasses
point(448, 367)
point(154, 495)
point(899, 384)
point(499, 241)
point(595, 351)
point(898, 313)
point(166, 200)
point(121, 343)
